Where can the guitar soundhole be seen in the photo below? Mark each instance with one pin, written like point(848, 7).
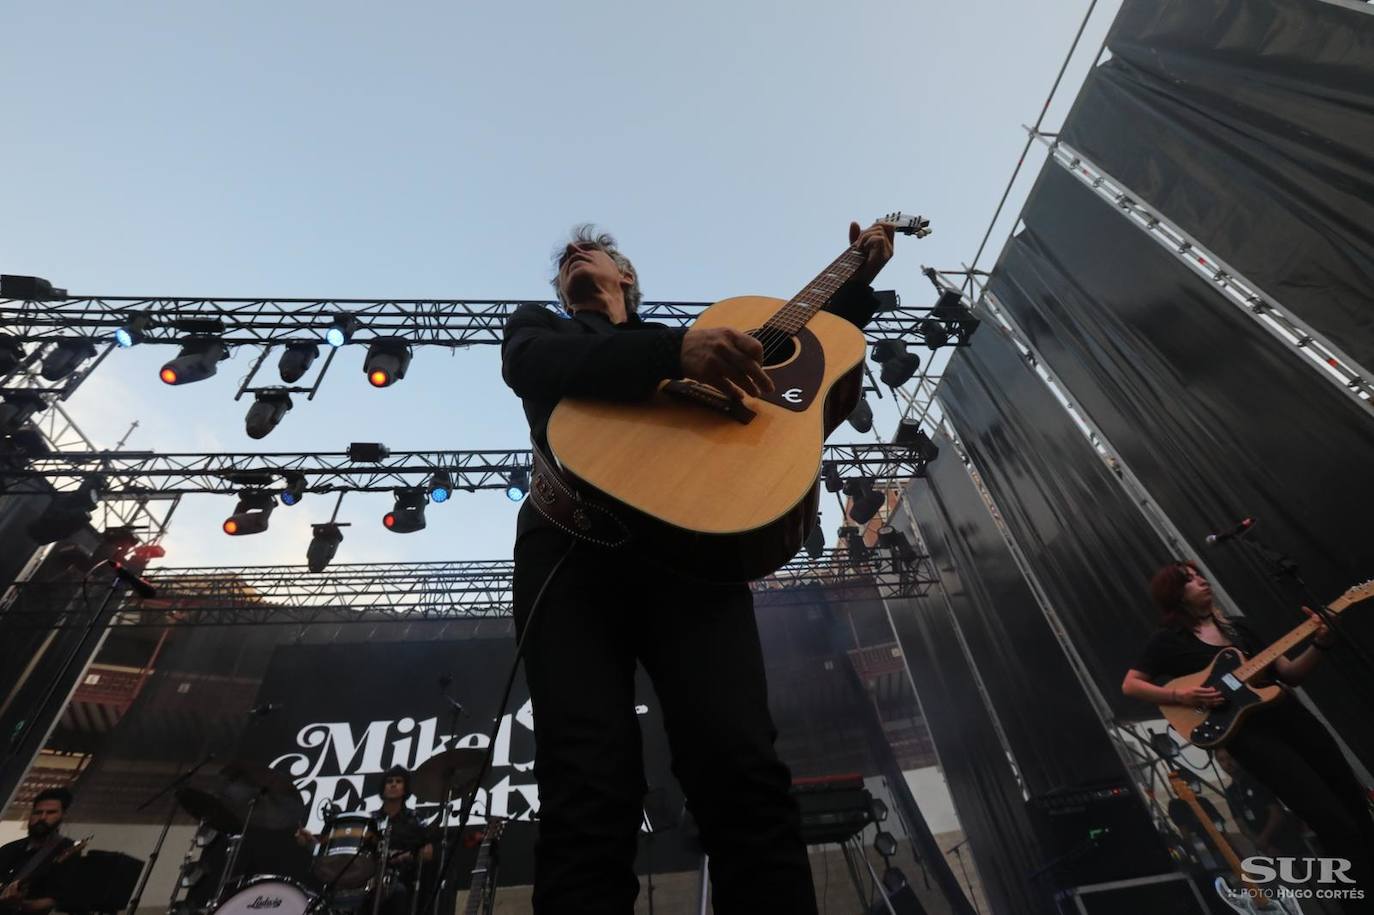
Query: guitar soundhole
point(777, 349)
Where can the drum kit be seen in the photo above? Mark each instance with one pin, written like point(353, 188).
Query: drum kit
point(359, 859)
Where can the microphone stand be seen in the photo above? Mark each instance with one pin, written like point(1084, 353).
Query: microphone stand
point(1283, 568)
point(166, 826)
point(441, 871)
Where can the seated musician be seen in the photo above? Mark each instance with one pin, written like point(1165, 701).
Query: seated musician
point(1282, 746)
point(29, 872)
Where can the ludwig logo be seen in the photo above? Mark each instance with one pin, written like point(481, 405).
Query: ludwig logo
point(265, 902)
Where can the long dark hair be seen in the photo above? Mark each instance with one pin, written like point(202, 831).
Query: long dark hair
point(1166, 588)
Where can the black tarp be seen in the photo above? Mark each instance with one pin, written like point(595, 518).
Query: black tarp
point(1250, 124)
point(1091, 549)
point(1213, 416)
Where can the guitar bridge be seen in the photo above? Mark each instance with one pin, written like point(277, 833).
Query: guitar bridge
point(707, 396)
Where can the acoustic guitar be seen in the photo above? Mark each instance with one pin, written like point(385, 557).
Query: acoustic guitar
point(1250, 900)
point(724, 489)
point(1231, 674)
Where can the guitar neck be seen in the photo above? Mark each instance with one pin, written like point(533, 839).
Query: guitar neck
point(816, 294)
point(1232, 859)
point(481, 872)
point(1269, 655)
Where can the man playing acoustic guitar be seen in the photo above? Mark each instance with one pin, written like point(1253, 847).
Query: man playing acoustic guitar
point(1282, 746)
point(587, 613)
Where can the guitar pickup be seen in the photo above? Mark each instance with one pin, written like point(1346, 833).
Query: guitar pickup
point(707, 396)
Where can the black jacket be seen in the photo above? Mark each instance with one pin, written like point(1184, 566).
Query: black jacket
point(546, 356)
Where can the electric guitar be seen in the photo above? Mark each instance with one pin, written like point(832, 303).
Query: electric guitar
point(725, 489)
point(1250, 901)
point(15, 891)
point(482, 893)
point(1231, 673)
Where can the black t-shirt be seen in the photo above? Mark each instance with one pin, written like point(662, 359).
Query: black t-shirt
point(1177, 652)
point(46, 881)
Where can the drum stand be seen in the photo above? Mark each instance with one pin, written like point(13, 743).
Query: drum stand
point(383, 866)
point(232, 859)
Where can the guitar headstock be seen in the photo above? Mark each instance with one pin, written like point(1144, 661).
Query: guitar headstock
point(1362, 591)
point(907, 225)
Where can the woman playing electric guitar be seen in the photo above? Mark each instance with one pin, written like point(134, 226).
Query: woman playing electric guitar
point(1283, 746)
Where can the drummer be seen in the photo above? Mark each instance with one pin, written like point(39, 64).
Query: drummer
point(409, 850)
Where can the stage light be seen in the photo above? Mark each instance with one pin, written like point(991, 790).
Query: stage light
point(296, 360)
point(910, 434)
point(898, 365)
point(831, 474)
point(888, 300)
point(267, 410)
point(932, 332)
point(67, 513)
point(517, 484)
point(879, 809)
point(64, 357)
point(854, 544)
point(815, 540)
point(340, 330)
point(864, 502)
point(323, 545)
point(29, 288)
point(885, 844)
point(440, 486)
point(133, 331)
point(368, 452)
point(895, 541)
point(957, 317)
point(199, 359)
point(11, 354)
point(18, 408)
point(295, 489)
point(861, 417)
point(116, 542)
point(408, 515)
point(251, 514)
point(386, 362)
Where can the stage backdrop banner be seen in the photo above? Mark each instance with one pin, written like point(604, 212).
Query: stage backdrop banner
point(1086, 541)
point(1250, 124)
point(348, 712)
point(1215, 418)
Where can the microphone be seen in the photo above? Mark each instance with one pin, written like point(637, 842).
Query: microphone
point(137, 583)
point(1241, 528)
point(264, 708)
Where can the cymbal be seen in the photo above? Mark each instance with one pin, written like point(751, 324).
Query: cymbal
point(278, 805)
point(452, 770)
point(202, 805)
point(255, 775)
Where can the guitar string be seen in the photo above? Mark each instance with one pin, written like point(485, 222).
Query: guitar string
point(782, 326)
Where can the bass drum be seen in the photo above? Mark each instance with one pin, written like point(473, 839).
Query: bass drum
point(266, 892)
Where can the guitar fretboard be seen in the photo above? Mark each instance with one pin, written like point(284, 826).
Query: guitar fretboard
point(793, 316)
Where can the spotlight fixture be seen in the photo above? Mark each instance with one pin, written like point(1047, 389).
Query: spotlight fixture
point(408, 515)
point(853, 541)
point(517, 484)
point(134, 330)
point(387, 361)
point(932, 332)
point(957, 317)
point(251, 514)
point(67, 513)
point(910, 434)
point(864, 502)
point(324, 543)
point(861, 417)
point(295, 489)
point(64, 357)
point(117, 542)
point(898, 365)
point(267, 410)
point(340, 330)
point(888, 300)
point(11, 354)
point(18, 408)
point(815, 540)
point(879, 810)
point(831, 474)
point(29, 288)
point(368, 452)
point(440, 486)
point(199, 359)
point(885, 844)
point(895, 540)
point(296, 360)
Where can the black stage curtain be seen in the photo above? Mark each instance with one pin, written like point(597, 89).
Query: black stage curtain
point(1211, 414)
point(1250, 123)
point(1084, 538)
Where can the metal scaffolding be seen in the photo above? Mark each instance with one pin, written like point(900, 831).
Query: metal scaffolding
point(149, 474)
point(426, 591)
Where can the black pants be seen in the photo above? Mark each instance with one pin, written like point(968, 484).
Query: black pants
point(1289, 751)
point(700, 646)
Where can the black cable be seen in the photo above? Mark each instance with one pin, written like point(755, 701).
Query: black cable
point(440, 875)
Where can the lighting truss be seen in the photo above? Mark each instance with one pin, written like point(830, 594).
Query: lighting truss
point(416, 592)
point(421, 322)
point(147, 474)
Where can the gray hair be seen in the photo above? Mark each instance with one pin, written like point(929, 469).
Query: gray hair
point(587, 233)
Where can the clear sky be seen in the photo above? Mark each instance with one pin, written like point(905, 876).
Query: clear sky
point(443, 149)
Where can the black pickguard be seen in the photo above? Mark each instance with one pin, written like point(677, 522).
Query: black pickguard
point(1221, 722)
